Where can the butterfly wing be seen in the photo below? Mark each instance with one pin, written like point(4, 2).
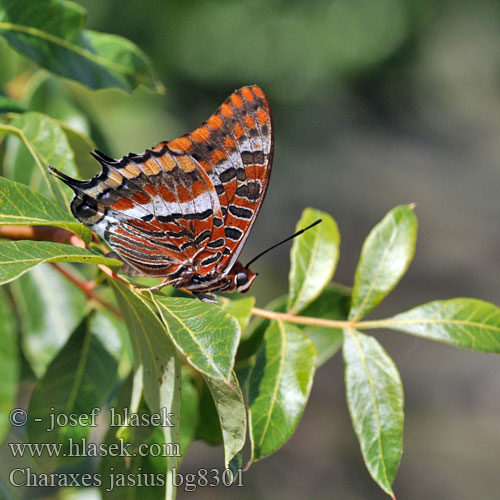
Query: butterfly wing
point(235, 148)
point(186, 206)
point(158, 211)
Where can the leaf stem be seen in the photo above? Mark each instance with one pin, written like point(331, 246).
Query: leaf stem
point(49, 233)
point(38, 233)
point(328, 323)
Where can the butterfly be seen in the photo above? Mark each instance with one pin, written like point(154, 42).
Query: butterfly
point(183, 209)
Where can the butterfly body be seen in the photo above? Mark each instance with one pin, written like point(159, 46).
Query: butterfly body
point(182, 210)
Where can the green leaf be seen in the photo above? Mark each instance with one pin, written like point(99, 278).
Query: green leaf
point(113, 334)
point(49, 307)
point(189, 412)
point(385, 257)
point(279, 387)
point(469, 323)
point(232, 414)
point(251, 343)
point(138, 406)
point(51, 32)
point(208, 428)
point(314, 256)
point(81, 145)
point(8, 105)
point(375, 400)
point(18, 257)
point(111, 468)
point(20, 205)
point(206, 335)
point(156, 355)
point(151, 344)
point(9, 364)
point(124, 59)
point(78, 380)
point(241, 309)
point(47, 94)
point(40, 142)
point(333, 304)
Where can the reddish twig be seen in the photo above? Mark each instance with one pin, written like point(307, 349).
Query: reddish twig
point(40, 233)
point(88, 289)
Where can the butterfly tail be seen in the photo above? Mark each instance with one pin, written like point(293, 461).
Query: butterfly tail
point(72, 183)
point(103, 159)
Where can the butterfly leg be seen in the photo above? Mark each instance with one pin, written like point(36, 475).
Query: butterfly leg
point(165, 282)
point(206, 297)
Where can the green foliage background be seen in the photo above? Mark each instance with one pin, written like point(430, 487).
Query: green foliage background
point(375, 104)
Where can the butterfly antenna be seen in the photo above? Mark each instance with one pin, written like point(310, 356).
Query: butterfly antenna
point(298, 233)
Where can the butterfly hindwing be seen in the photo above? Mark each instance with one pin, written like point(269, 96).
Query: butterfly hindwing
point(157, 211)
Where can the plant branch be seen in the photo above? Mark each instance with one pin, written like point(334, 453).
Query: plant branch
point(40, 233)
point(328, 323)
point(88, 289)
point(59, 235)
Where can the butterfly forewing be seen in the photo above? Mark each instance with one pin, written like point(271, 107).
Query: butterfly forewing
point(235, 147)
point(185, 207)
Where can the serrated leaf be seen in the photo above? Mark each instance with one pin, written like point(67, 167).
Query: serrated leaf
point(468, 323)
point(21, 205)
point(9, 364)
point(279, 387)
point(385, 257)
point(49, 307)
point(78, 380)
point(314, 257)
point(241, 309)
point(18, 257)
point(206, 335)
point(156, 355)
point(375, 399)
point(98, 60)
point(232, 414)
point(39, 142)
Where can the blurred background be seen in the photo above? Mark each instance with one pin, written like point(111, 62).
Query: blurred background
point(375, 103)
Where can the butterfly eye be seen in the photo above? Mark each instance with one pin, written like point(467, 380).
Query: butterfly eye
point(86, 211)
point(241, 279)
point(87, 208)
